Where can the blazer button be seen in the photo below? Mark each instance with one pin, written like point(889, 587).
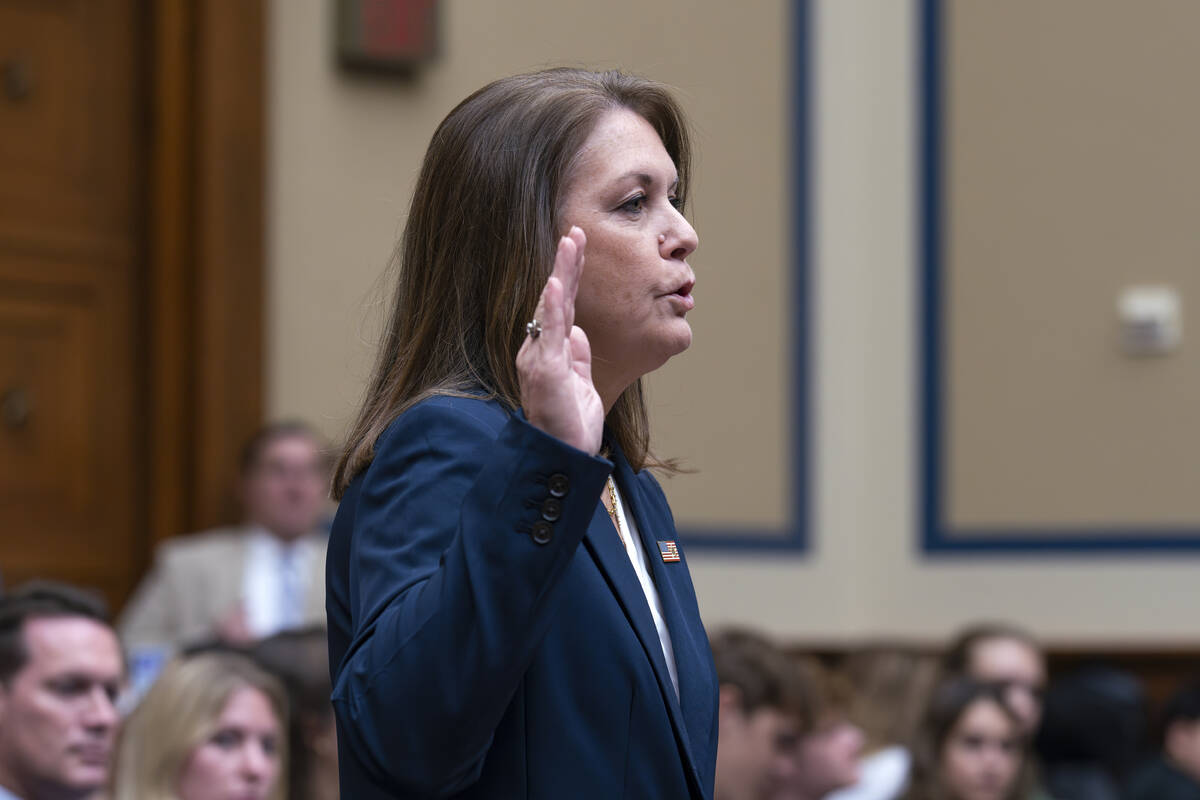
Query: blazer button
point(542, 532)
point(551, 509)
point(559, 484)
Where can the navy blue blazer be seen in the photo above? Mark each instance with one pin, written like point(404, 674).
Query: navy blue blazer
point(488, 636)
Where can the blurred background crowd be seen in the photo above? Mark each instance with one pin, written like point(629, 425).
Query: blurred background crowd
point(214, 683)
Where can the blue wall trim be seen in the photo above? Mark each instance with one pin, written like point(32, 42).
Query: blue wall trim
point(937, 538)
point(795, 539)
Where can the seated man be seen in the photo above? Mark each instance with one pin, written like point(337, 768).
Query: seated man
point(761, 714)
point(1175, 774)
point(246, 582)
point(61, 669)
point(827, 752)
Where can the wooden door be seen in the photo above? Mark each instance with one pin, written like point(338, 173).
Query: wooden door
point(130, 277)
point(71, 176)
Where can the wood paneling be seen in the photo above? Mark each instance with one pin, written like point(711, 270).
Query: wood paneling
point(130, 277)
point(71, 457)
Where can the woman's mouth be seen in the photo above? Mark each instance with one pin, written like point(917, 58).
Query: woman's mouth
point(682, 296)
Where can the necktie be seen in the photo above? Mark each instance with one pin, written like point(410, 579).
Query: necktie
point(291, 589)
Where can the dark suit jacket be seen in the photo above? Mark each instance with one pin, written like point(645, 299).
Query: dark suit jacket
point(1160, 780)
point(488, 635)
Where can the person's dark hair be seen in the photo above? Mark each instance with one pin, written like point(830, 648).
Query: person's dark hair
point(1094, 716)
point(949, 701)
point(39, 600)
point(957, 658)
point(763, 674)
point(300, 660)
point(479, 245)
point(272, 432)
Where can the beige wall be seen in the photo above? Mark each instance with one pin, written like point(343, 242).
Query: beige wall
point(343, 156)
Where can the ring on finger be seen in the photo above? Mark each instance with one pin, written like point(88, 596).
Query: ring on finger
point(533, 328)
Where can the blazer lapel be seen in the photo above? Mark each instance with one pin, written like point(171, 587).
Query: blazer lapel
point(606, 548)
point(692, 653)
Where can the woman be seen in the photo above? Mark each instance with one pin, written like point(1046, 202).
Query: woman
point(970, 746)
point(510, 612)
point(210, 728)
point(1003, 654)
point(826, 753)
point(890, 693)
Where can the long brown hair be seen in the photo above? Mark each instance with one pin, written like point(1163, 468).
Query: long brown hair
point(949, 701)
point(480, 241)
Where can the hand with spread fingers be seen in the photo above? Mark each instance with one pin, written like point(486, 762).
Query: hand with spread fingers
point(555, 362)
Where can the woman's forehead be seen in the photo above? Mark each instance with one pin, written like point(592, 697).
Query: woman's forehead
point(623, 145)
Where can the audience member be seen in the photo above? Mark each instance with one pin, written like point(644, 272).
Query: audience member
point(61, 669)
point(212, 727)
point(1175, 773)
point(891, 689)
point(970, 746)
point(300, 659)
point(1093, 723)
point(827, 752)
point(1005, 655)
point(246, 582)
point(1011, 658)
point(761, 714)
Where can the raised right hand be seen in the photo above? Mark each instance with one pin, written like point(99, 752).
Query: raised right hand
point(555, 369)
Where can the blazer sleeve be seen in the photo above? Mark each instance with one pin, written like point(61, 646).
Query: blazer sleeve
point(450, 590)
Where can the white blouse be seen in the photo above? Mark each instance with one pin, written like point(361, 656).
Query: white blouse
point(637, 556)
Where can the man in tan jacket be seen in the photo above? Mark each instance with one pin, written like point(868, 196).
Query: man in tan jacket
point(246, 582)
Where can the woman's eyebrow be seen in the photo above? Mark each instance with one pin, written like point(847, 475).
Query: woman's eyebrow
point(647, 178)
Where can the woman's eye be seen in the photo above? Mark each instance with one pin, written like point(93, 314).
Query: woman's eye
point(634, 204)
point(676, 202)
point(226, 739)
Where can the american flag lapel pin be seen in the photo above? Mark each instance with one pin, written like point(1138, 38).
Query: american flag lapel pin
point(669, 551)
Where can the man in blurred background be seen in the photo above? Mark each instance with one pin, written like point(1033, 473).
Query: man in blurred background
point(61, 669)
point(762, 712)
point(1175, 774)
point(244, 583)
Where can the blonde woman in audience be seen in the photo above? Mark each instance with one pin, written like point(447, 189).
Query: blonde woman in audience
point(970, 746)
point(891, 689)
point(211, 728)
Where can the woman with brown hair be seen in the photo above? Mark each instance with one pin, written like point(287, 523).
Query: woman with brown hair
point(970, 746)
point(510, 610)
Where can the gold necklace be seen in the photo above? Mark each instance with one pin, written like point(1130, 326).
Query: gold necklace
point(611, 507)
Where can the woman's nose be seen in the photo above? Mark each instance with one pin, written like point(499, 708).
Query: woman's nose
point(256, 762)
point(681, 240)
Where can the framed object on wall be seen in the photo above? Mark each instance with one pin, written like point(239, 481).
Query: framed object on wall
point(386, 35)
point(1057, 172)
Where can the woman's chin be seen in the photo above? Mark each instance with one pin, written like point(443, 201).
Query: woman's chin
point(674, 343)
